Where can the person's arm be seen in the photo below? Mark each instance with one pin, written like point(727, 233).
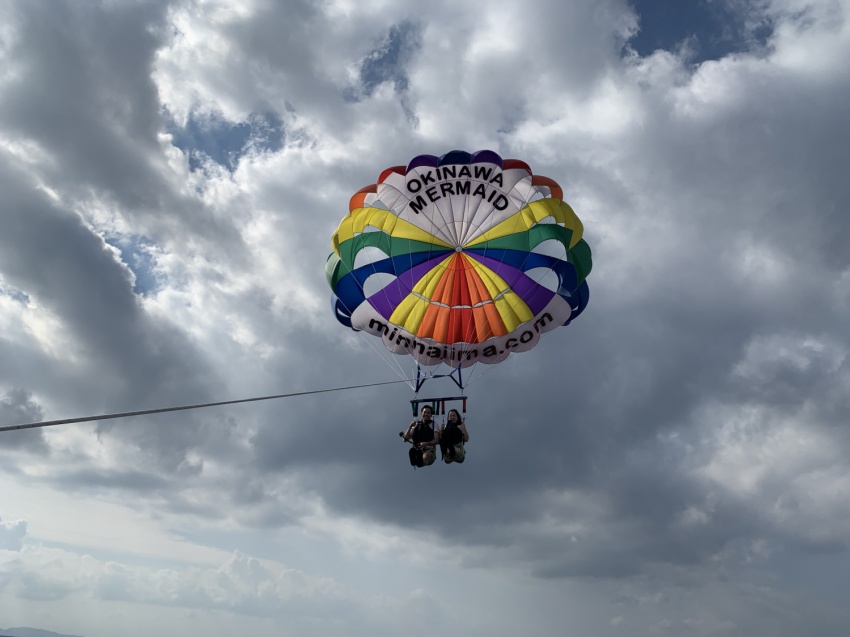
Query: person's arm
point(465, 432)
point(407, 434)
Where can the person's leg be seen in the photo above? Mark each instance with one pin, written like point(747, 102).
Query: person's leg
point(459, 453)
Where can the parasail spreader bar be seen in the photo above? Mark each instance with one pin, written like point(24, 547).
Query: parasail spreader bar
point(438, 405)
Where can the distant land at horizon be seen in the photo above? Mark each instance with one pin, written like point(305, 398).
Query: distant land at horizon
point(31, 632)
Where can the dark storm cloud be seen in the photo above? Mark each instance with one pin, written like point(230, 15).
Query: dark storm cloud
point(84, 91)
point(64, 267)
point(617, 384)
point(770, 162)
point(84, 94)
point(670, 320)
point(50, 253)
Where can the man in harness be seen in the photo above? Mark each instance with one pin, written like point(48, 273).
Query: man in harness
point(424, 438)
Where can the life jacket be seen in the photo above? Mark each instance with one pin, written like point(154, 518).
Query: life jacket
point(451, 443)
point(422, 432)
point(451, 435)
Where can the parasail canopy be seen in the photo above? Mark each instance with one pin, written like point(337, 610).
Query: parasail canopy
point(459, 259)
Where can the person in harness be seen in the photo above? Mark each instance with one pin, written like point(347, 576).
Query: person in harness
point(424, 438)
point(452, 437)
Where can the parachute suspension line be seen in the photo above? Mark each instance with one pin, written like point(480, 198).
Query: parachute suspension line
point(388, 357)
point(487, 369)
point(162, 410)
point(385, 355)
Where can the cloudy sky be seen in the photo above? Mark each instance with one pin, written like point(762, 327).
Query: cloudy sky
point(675, 462)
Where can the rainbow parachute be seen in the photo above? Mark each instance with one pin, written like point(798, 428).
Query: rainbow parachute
point(459, 259)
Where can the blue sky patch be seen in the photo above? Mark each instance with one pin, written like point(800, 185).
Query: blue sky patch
point(137, 254)
point(713, 28)
point(14, 294)
point(225, 142)
point(388, 61)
